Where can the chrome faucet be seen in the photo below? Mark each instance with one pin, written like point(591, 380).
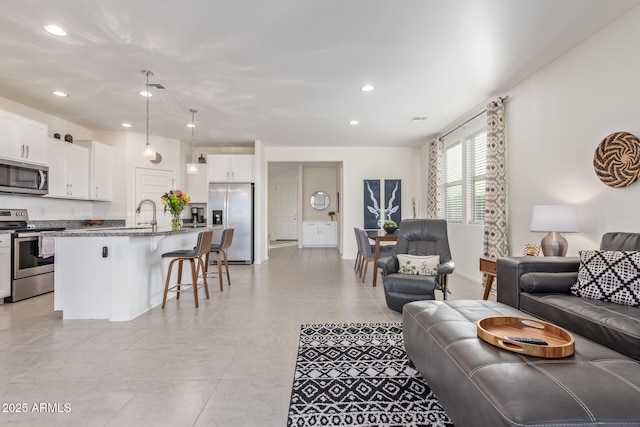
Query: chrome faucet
point(154, 220)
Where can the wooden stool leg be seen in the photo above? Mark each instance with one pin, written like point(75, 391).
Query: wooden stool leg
point(179, 277)
point(194, 282)
point(166, 284)
point(226, 266)
point(204, 276)
point(219, 261)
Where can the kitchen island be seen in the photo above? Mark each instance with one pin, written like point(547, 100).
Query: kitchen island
point(114, 273)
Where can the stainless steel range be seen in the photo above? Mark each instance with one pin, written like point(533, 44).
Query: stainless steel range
point(32, 271)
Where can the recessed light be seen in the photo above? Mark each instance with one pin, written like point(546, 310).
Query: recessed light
point(55, 30)
point(191, 125)
point(354, 122)
point(126, 125)
point(367, 88)
point(146, 94)
point(60, 93)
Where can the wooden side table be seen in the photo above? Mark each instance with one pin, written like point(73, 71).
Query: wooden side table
point(488, 266)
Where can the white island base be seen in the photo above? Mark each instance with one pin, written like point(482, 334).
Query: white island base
point(114, 275)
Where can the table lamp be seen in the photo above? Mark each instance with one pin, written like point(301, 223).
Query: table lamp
point(554, 219)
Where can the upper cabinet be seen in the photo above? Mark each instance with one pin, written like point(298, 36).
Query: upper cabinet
point(198, 185)
point(101, 172)
point(22, 138)
point(68, 170)
point(230, 168)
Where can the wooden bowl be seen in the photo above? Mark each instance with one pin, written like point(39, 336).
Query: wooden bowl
point(94, 221)
point(495, 331)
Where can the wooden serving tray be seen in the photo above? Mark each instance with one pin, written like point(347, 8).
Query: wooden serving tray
point(494, 330)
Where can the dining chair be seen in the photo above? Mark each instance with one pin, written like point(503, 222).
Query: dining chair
point(368, 252)
point(356, 265)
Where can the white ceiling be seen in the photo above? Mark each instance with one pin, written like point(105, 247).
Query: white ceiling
point(286, 72)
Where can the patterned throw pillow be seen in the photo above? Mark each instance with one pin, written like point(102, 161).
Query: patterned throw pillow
point(612, 276)
point(420, 265)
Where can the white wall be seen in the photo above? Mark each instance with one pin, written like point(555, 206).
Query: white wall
point(127, 156)
point(318, 179)
point(359, 163)
point(555, 121)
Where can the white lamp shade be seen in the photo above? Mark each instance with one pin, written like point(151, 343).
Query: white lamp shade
point(192, 168)
point(148, 152)
point(559, 218)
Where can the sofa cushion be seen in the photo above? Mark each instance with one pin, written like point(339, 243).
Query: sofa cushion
point(612, 276)
point(421, 265)
point(613, 325)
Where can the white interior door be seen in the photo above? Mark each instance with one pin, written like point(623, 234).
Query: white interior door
point(286, 211)
point(152, 184)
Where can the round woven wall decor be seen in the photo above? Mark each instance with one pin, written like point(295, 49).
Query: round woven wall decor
point(617, 160)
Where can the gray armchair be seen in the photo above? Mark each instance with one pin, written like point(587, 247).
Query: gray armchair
point(417, 237)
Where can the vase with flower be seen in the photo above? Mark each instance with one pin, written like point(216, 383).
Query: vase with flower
point(174, 202)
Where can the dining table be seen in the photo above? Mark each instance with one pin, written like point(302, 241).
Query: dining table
point(379, 236)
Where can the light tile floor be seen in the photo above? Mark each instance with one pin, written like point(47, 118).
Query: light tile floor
point(228, 363)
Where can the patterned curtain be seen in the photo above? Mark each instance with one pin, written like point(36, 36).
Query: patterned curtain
point(434, 179)
point(495, 209)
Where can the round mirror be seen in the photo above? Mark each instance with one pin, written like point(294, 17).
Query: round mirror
point(319, 200)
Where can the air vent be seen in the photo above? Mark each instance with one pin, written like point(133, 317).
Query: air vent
point(419, 118)
point(156, 85)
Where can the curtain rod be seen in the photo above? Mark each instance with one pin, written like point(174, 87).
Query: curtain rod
point(502, 98)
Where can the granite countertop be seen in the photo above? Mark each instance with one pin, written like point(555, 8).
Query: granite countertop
point(126, 231)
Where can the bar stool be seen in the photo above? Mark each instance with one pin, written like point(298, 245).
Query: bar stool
point(194, 256)
point(221, 248)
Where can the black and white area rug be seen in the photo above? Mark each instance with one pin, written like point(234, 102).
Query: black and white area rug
point(358, 374)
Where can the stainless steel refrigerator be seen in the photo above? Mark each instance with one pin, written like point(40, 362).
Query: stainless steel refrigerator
point(231, 205)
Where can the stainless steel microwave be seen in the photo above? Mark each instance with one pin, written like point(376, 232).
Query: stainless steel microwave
point(23, 178)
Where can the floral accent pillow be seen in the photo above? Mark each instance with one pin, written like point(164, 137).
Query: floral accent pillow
point(419, 265)
point(612, 276)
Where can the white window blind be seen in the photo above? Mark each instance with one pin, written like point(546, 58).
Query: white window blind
point(476, 176)
point(453, 183)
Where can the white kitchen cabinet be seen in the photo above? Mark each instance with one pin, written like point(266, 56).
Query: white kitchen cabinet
point(22, 138)
point(101, 172)
point(68, 170)
point(198, 185)
point(230, 168)
point(35, 138)
point(5, 265)
point(319, 233)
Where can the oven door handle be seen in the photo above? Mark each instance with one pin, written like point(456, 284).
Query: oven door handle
point(26, 235)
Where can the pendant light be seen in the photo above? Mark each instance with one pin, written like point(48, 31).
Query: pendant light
point(148, 152)
point(192, 168)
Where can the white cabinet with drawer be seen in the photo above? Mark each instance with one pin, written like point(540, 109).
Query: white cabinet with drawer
point(319, 233)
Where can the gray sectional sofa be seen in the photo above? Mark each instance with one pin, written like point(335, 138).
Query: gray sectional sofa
point(540, 287)
point(479, 384)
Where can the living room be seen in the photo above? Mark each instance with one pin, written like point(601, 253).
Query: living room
point(555, 118)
